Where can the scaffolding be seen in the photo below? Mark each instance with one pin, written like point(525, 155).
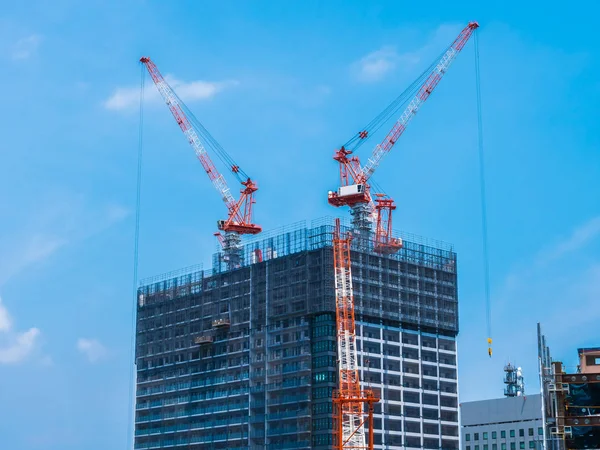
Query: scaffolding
point(570, 400)
point(246, 358)
point(416, 285)
point(301, 237)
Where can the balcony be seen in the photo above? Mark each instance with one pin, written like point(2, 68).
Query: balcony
point(203, 340)
point(221, 323)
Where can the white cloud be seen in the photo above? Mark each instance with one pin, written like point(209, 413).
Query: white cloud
point(376, 65)
point(26, 47)
point(14, 346)
point(93, 350)
point(20, 347)
point(126, 98)
point(379, 63)
point(47, 361)
point(116, 213)
point(580, 236)
point(60, 220)
point(5, 322)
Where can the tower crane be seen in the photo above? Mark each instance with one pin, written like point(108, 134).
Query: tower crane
point(239, 218)
point(354, 190)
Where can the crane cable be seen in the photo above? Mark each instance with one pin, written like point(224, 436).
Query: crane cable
point(484, 231)
point(209, 141)
point(394, 108)
point(136, 240)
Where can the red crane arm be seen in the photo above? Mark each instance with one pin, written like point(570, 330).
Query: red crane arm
point(423, 94)
point(351, 172)
point(240, 211)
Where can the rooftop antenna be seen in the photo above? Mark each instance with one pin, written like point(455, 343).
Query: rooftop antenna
point(515, 383)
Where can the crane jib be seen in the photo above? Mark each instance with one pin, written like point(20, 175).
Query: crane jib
point(240, 211)
point(411, 110)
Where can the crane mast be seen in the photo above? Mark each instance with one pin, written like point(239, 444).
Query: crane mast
point(354, 190)
point(239, 220)
point(349, 398)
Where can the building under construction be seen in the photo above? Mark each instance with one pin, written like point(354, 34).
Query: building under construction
point(570, 399)
point(246, 357)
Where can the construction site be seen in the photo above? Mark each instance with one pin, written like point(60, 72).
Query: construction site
point(327, 334)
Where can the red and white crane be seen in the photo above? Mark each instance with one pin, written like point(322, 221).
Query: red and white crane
point(354, 190)
point(239, 218)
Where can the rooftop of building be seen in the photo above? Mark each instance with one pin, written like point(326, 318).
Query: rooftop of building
point(304, 236)
point(501, 410)
point(588, 350)
point(589, 360)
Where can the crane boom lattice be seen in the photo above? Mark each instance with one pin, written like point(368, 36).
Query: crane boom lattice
point(239, 220)
point(175, 106)
point(354, 190)
point(413, 107)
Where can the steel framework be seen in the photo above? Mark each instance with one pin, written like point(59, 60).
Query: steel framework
point(349, 398)
point(385, 243)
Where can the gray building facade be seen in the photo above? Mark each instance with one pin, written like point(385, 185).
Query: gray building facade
point(509, 423)
point(246, 358)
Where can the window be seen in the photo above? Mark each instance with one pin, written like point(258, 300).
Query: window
point(477, 447)
point(503, 434)
point(494, 435)
point(486, 447)
point(512, 433)
point(540, 431)
point(592, 360)
point(468, 437)
point(503, 447)
point(494, 446)
point(513, 446)
point(468, 447)
point(476, 437)
point(485, 435)
point(522, 432)
point(531, 432)
point(522, 445)
point(531, 444)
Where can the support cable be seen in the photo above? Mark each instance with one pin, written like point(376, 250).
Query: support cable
point(484, 231)
point(136, 240)
point(392, 110)
point(209, 141)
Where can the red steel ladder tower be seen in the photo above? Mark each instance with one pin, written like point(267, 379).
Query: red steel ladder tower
point(348, 399)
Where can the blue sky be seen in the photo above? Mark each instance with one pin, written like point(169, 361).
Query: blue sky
point(280, 85)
